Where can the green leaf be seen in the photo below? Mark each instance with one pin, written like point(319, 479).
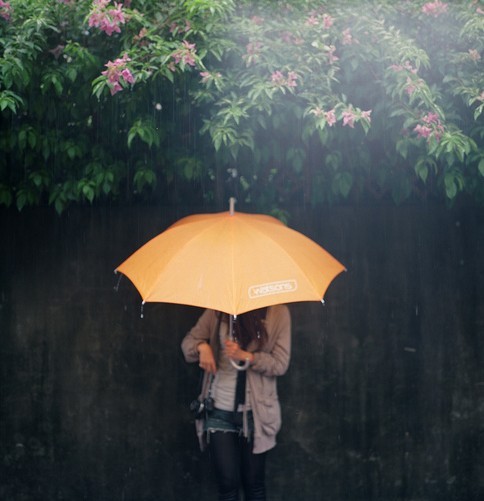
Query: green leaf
point(345, 183)
point(422, 170)
point(21, 199)
point(480, 167)
point(5, 196)
point(450, 185)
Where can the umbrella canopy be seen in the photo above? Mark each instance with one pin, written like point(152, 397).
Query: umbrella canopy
point(232, 262)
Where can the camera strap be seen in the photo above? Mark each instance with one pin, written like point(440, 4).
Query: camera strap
point(240, 389)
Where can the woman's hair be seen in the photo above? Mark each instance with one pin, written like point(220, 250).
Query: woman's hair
point(250, 327)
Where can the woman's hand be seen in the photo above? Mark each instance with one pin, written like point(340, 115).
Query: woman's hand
point(207, 360)
point(233, 351)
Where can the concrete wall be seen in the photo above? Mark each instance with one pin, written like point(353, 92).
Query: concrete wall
point(384, 398)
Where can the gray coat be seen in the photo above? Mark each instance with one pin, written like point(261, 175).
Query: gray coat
point(269, 362)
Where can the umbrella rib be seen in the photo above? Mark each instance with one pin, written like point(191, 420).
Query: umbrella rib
point(312, 283)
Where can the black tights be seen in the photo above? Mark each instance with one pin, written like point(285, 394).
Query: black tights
point(234, 462)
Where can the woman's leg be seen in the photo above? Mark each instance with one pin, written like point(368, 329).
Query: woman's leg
point(224, 449)
point(253, 472)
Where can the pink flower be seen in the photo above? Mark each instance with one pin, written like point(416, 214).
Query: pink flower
point(327, 21)
point(431, 118)
point(474, 55)
point(277, 78)
point(423, 131)
point(291, 79)
point(114, 88)
point(175, 27)
point(258, 21)
point(106, 18)
point(349, 118)
point(479, 10)
point(127, 76)
point(411, 86)
point(116, 70)
point(434, 8)
point(405, 67)
point(207, 76)
point(185, 55)
point(347, 37)
point(253, 48)
point(57, 51)
point(431, 126)
point(286, 37)
point(311, 21)
point(330, 117)
point(366, 115)
point(5, 10)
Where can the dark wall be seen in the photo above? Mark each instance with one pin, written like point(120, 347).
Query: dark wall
point(384, 398)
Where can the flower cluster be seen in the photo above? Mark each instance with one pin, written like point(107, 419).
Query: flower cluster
point(107, 17)
point(405, 67)
point(349, 116)
point(474, 55)
point(208, 77)
point(253, 52)
point(185, 55)
point(176, 28)
point(279, 80)
point(5, 10)
point(431, 126)
point(347, 37)
point(254, 48)
point(325, 20)
point(434, 8)
point(116, 73)
point(289, 38)
point(412, 83)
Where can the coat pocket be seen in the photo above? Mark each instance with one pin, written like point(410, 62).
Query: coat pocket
point(269, 415)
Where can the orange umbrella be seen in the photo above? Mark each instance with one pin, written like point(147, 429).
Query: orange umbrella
point(231, 262)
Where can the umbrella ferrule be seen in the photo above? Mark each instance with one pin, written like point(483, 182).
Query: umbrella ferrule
point(232, 201)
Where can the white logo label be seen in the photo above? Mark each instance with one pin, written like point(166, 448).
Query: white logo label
point(271, 288)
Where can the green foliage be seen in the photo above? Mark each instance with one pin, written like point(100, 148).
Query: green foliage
point(275, 102)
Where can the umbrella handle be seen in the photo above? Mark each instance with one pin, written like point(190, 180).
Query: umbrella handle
point(232, 361)
point(240, 367)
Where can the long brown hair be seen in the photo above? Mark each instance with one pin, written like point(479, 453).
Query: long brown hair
point(250, 327)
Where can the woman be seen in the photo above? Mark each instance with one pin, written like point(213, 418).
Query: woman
point(246, 416)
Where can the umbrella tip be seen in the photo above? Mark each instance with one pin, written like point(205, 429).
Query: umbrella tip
point(232, 202)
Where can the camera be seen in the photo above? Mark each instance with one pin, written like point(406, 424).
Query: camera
point(198, 407)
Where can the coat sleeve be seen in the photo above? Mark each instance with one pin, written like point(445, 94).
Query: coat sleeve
point(275, 361)
point(199, 333)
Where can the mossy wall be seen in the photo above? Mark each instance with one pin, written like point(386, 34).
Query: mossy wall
point(384, 398)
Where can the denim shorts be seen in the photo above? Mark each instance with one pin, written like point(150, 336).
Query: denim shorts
point(219, 420)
